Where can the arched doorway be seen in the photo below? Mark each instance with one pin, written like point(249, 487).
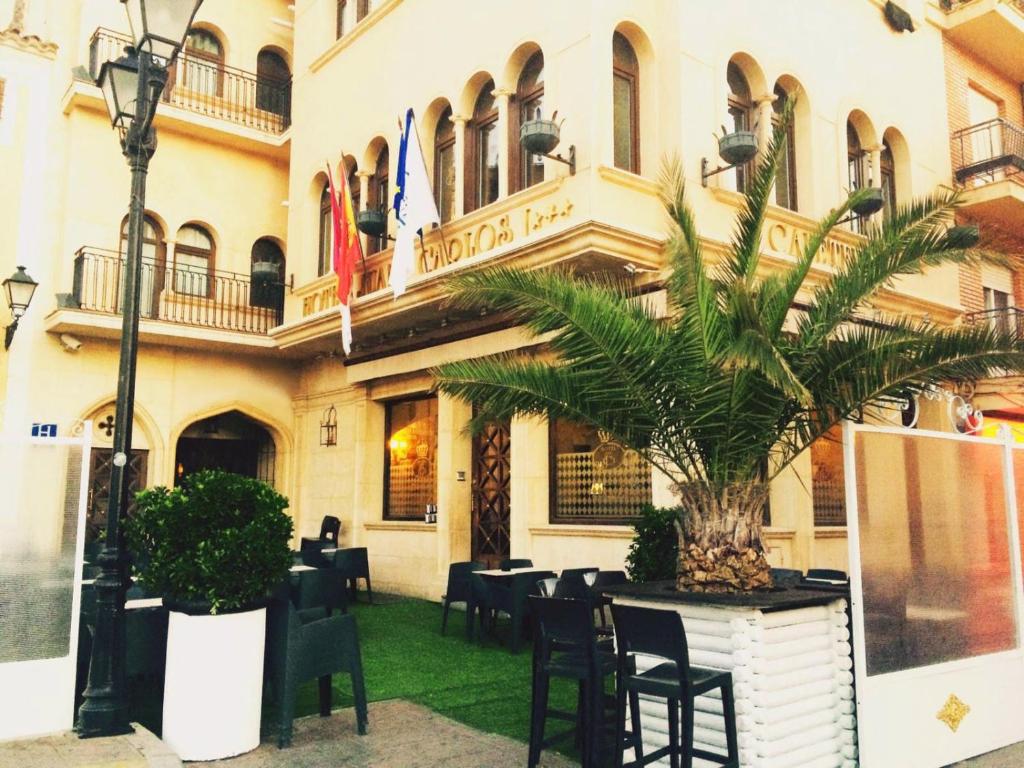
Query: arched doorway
point(231, 441)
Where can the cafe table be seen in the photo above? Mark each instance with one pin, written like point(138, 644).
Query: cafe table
point(506, 591)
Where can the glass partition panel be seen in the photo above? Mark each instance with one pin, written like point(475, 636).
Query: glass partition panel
point(934, 550)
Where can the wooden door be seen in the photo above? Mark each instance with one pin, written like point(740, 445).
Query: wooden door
point(492, 509)
point(99, 488)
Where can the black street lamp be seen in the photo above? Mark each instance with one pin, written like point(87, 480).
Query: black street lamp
point(131, 87)
point(18, 289)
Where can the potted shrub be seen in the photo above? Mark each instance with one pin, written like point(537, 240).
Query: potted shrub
point(215, 548)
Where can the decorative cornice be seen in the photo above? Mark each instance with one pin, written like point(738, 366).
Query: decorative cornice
point(28, 43)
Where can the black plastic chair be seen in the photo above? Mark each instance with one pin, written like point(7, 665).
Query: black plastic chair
point(511, 597)
point(581, 572)
point(660, 633)
point(330, 530)
point(319, 588)
point(312, 553)
point(509, 563)
point(459, 590)
point(354, 563)
point(827, 573)
point(566, 646)
point(301, 650)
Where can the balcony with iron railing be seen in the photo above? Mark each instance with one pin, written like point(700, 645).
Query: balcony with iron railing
point(988, 160)
point(209, 88)
point(991, 30)
point(989, 151)
point(180, 294)
point(1006, 319)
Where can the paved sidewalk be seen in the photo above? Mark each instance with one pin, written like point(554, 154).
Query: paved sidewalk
point(1008, 757)
point(401, 735)
point(134, 750)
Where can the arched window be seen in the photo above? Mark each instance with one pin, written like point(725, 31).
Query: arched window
point(741, 112)
point(272, 83)
point(856, 160)
point(785, 179)
point(887, 171)
point(203, 67)
point(444, 166)
point(193, 261)
point(154, 262)
point(528, 167)
point(266, 287)
point(326, 233)
point(379, 200)
point(625, 89)
point(482, 150)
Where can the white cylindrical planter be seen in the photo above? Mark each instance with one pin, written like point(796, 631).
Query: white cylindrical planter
point(214, 684)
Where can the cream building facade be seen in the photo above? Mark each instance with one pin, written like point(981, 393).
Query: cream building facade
point(241, 361)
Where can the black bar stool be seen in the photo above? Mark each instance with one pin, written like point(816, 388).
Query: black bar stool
point(660, 633)
point(566, 647)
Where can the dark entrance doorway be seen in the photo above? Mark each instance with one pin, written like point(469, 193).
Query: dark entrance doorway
point(230, 441)
point(101, 460)
point(492, 508)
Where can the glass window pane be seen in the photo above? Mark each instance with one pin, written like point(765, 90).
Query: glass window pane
point(411, 455)
point(595, 478)
point(487, 165)
point(828, 480)
point(446, 185)
point(623, 108)
point(934, 550)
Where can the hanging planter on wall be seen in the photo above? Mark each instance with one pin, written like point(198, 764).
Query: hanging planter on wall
point(372, 222)
point(539, 136)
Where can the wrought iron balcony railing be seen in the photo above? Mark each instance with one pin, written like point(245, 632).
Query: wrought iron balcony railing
point(210, 88)
point(988, 151)
point(181, 294)
point(1007, 319)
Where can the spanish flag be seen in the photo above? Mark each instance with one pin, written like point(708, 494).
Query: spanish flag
point(346, 249)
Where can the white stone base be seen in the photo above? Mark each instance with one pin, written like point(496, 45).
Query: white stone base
point(792, 680)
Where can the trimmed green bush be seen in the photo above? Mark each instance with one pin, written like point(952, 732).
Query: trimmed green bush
point(219, 539)
point(654, 553)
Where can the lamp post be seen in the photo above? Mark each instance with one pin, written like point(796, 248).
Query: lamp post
point(19, 289)
point(131, 87)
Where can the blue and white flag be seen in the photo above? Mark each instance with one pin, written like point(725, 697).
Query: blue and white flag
point(414, 205)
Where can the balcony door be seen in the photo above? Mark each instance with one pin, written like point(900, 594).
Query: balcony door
point(986, 141)
point(151, 274)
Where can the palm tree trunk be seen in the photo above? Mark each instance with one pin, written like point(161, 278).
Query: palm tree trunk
point(720, 547)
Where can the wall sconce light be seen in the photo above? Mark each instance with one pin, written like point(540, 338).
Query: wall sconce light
point(329, 427)
point(18, 289)
point(737, 148)
point(540, 137)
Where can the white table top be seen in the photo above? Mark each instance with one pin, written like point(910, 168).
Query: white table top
point(499, 572)
point(300, 567)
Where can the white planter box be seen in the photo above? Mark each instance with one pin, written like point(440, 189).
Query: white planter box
point(792, 680)
point(214, 684)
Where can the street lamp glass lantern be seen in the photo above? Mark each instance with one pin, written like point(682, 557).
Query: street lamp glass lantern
point(19, 289)
point(119, 83)
point(159, 26)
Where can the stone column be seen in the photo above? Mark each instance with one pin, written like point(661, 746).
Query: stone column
point(529, 486)
point(460, 165)
point(503, 98)
point(763, 113)
point(874, 169)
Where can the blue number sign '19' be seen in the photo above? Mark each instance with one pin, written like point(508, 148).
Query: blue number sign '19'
point(44, 430)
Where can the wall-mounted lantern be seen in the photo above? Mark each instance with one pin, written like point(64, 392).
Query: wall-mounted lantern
point(871, 201)
point(372, 221)
point(540, 137)
point(18, 289)
point(736, 148)
point(329, 427)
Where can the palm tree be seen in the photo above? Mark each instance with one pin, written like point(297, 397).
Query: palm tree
point(710, 394)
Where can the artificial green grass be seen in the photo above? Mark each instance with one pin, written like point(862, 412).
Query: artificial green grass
point(405, 656)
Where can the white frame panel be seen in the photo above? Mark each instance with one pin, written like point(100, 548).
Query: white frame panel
point(38, 697)
point(897, 712)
